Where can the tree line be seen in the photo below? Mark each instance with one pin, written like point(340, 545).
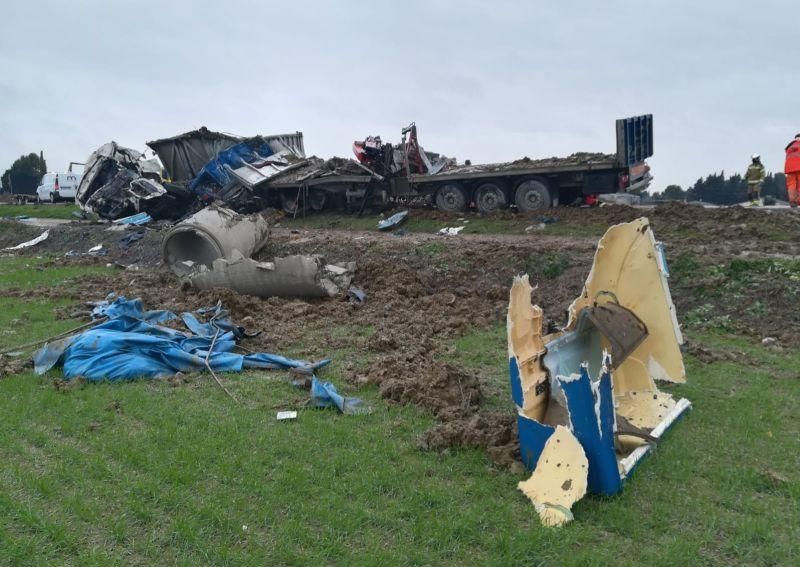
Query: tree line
point(24, 174)
point(721, 190)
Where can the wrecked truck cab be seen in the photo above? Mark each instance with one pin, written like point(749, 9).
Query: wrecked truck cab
point(595, 381)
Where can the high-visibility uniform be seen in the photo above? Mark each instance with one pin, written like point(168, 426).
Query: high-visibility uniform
point(755, 177)
point(792, 171)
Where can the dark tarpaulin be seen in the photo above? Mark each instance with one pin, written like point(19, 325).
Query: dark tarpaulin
point(183, 156)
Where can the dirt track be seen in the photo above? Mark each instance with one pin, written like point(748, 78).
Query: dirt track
point(424, 291)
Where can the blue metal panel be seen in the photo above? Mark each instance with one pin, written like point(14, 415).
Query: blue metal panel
point(592, 421)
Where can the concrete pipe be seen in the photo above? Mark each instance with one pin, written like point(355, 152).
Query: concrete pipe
point(211, 234)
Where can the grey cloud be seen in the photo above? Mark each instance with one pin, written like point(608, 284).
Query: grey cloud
point(483, 80)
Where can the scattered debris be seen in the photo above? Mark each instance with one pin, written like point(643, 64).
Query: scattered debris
point(451, 231)
point(628, 199)
point(42, 237)
point(286, 415)
point(138, 219)
point(356, 294)
point(393, 221)
point(131, 238)
point(610, 423)
point(769, 341)
point(98, 250)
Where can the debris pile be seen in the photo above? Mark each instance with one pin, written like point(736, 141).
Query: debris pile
point(213, 249)
point(575, 431)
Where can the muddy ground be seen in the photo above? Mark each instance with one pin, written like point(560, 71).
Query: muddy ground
point(424, 291)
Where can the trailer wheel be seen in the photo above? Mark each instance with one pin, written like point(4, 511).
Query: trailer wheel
point(451, 198)
point(289, 201)
point(532, 195)
point(489, 197)
point(317, 199)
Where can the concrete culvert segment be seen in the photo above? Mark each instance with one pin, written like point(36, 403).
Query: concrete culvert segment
point(209, 235)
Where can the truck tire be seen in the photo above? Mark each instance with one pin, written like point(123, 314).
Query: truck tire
point(490, 197)
point(532, 195)
point(317, 199)
point(289, 201)
point(451, 198)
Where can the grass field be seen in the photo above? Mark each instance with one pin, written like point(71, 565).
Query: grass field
point(44, 211)
point(151, 473)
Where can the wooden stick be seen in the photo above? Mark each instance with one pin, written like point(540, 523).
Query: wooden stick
point(58, 336)
point(221, 385)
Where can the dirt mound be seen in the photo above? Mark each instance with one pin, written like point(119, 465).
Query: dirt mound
point(13, 365)
point(436, 385)
point(496, 433)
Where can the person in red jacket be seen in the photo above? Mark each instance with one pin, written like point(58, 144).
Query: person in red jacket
point(792, 171)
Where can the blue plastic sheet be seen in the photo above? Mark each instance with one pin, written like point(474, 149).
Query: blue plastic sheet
point(138, 219)
point(134, 343)
point(215, 173)
point(324, 395)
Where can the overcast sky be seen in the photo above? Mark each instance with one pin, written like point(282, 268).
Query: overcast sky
point(488, 81)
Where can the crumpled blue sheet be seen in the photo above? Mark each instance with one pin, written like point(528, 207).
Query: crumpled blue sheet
point(134, 343)
point(324, 395)
point(214, 171)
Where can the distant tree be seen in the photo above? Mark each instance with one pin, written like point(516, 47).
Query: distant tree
point(674, 193)
point(29, 166)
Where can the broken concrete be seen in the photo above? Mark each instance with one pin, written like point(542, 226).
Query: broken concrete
point(626, 309)
point(213, 233)
point(292, 276)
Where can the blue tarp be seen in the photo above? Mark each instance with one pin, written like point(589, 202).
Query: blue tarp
point(134, 343)
point(214, 172)
point(324, 395)
point(137, 219)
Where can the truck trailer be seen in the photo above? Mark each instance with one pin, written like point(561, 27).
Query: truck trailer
point(405, 174)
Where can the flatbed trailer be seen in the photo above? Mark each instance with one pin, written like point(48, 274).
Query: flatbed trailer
point(529, 185)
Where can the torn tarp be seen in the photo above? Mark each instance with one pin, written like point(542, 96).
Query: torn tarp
point(324, 395)
point(41, 238)
point(625, 308)
point(133, 343)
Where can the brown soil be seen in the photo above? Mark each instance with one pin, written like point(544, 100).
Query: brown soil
point(424, 291)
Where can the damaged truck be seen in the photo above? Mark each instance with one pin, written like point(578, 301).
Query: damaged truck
point(250, 174)
point(407, 174)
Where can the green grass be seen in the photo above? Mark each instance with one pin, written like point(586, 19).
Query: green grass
point(475, 224)
point(32, 271)
point(149, 473)
point(45, 211)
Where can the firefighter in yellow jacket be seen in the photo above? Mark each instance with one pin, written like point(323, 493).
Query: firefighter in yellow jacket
point(755, 178)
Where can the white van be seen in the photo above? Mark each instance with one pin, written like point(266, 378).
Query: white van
point(58, 187)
